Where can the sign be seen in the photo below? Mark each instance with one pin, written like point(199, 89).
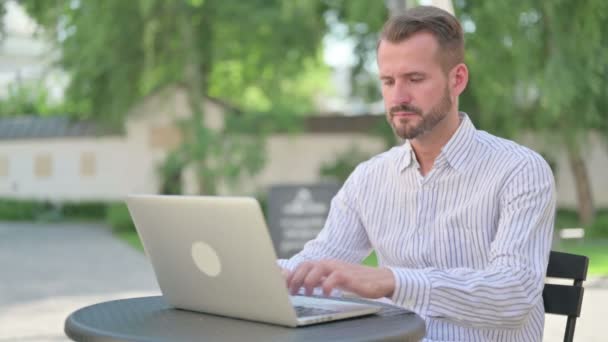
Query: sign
point(297, 213)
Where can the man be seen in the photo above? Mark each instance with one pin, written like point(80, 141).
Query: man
point(461, 221)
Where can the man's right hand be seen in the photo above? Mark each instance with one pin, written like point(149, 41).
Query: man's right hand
point(330, 275)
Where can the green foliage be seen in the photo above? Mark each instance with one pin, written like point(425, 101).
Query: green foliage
point(263, 200)
point(360, 22)
point(170, 172)
point(540, 66)
point(41, 210)
point(343, 165)
point(384, 130)
point(251, 53)
point(566, 218)
point(259, 55)
point(531, 69)
point(30, 100)
point(22, 210)
point(119, 219)
point(84, 210)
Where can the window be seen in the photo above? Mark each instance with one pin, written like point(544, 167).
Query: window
point(88, 164)
point(43, 166)
point(164, 137)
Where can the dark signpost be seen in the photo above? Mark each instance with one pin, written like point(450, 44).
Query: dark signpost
point(297, 213)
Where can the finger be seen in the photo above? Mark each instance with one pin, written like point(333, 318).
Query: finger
point(336, 279)
point(296, 278)
point(285, 273)
point(315, 278)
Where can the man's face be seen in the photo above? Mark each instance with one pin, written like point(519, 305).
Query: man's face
point(414, 86)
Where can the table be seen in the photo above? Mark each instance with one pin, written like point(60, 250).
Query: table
point(152, 319)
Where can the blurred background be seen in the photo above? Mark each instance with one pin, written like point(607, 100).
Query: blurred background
point(99, 99)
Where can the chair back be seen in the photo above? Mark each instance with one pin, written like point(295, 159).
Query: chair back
point(566, 300)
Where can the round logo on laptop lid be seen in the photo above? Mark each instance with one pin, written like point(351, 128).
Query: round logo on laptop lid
point(206, 259)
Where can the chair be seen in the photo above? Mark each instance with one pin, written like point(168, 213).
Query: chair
point(566, 300)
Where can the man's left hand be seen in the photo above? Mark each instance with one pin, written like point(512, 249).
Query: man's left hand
point(364, 281)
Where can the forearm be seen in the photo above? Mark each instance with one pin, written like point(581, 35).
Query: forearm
point(495, 297)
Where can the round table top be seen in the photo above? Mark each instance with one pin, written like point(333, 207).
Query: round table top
point(152, 319)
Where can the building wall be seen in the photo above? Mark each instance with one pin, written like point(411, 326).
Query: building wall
point(64, 169)
point(299, 158)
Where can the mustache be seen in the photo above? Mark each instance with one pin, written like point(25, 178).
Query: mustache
point(405, 108)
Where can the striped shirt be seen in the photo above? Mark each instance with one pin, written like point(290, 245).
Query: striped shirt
point(468, 244)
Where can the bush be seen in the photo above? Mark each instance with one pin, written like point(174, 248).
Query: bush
point(342, 165)
point(23, 210)
point(39, 210)
point(84, 210)
point(119, 219)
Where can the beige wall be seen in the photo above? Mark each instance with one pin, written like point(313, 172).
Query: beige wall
point(298, 159)
point(51, 169)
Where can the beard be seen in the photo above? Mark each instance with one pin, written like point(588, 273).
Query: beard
point(406, 129)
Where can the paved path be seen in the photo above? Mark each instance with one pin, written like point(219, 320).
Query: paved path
point(49, 270)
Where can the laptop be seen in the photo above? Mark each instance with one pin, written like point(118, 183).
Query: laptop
point(214, 255)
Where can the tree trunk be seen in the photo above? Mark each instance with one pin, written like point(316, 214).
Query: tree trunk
point(197, 69)
point(586, 211)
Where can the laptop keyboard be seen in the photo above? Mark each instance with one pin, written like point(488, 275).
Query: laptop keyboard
point(307, 311)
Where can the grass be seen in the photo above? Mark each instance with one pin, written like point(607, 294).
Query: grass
point(131, 238)
point(596, 250)
point(371, 260)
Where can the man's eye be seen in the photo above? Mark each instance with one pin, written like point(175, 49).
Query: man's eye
point(387, 82)
point(416, 80)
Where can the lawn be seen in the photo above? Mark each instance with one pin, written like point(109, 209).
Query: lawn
point(131, 238)
point(595, 249)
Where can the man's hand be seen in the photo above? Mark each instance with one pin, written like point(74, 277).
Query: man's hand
point(365, 281)
point(285, 273)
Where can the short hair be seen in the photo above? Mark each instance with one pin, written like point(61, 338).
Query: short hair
point(440, 23)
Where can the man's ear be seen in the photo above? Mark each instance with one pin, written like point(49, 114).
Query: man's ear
point(459, 78)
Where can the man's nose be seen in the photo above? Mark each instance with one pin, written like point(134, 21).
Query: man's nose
point(401, 94)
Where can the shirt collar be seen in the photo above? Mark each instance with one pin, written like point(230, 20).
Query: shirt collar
point(455, 151)
point(407, 157)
